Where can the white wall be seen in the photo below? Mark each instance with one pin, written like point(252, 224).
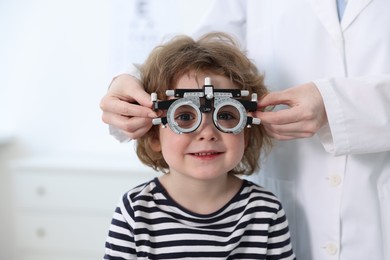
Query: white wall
point(57, 58)
point(54, 70)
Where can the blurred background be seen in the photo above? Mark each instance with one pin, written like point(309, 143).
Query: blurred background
point(61, 173)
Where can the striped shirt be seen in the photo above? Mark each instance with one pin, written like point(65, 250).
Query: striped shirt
point(149, 224)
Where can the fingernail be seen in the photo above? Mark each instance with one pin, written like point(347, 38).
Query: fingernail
point(152, 114)
point(269, 108)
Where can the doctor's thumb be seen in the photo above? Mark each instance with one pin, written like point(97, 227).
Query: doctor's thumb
point(270, 100)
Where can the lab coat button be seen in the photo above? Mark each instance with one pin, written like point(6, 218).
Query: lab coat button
point(335, 180)
point(331, 249)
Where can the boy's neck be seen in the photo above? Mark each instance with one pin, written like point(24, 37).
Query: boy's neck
point(201, 196)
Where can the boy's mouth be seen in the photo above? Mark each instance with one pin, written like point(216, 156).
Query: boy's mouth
point(206, 153)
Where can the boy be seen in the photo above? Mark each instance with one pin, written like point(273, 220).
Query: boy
point(199, 208)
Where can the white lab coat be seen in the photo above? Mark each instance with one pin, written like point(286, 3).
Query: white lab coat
point(334, 186)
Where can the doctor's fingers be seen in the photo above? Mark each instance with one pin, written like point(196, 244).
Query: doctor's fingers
point(306, 94)
point(293, 114)
point(289, 131)
point(133, 127)
point(127, 88)
point(293, 122)
point(114, 105)
point(273, 98)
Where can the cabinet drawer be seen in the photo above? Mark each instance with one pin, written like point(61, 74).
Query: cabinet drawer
point(71, 190)
point(62, 234)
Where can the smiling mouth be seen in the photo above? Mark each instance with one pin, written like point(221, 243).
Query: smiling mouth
point(206, 154)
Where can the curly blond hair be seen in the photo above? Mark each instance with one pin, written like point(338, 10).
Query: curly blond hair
point(217, 53)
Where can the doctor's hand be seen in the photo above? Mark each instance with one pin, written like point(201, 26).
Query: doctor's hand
point(127, 107)
point(304, 116)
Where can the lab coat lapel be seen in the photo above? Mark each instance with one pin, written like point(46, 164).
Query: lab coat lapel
point(326, 11)
point(352, 10)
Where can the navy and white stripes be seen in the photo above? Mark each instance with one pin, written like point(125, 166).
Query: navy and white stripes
point(148, 224)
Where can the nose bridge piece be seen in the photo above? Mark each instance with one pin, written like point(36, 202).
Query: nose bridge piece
point(206, 120)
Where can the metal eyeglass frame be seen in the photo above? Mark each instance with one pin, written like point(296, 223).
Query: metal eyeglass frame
point(203, 101)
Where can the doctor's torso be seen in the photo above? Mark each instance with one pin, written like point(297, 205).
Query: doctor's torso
point(335, 204)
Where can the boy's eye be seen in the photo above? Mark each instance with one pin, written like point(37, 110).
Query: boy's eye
point(225, 116)
point(228, 117)
point(185, 117)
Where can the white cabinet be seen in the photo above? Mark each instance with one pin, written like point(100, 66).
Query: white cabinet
point(63, 207)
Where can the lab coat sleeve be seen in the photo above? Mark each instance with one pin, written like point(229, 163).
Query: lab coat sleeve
point(358, 111)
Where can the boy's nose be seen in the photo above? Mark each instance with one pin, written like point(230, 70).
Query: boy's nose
point(207, 130)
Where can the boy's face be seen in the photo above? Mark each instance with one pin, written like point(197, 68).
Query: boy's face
point(206, 153)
